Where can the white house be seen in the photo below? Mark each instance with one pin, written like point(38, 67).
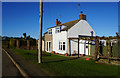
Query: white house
point(57, 37)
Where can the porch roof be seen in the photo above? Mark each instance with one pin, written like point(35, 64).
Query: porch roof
point(84, 37)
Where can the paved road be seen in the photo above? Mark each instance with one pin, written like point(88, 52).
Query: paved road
point(8, 68)
point(31, 69)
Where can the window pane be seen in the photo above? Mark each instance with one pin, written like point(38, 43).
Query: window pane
point(47, 46)
point(63, 47)
point(63, 42)
point(59, 45)
point(86, 46)
point(51, 31)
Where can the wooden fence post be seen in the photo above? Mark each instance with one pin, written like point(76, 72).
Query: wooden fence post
point(96, 47)
point(118, 43)
point(18, 43)
point(108, 50)
point(28, 44)
point(69, 47)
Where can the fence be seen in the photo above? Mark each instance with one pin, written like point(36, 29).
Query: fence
point(24, 44)
point(114, 50)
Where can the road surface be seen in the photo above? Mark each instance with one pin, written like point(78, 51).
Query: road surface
point(31, 69)
point(8, 68)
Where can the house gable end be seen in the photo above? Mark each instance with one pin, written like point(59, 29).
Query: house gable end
point(80, 28)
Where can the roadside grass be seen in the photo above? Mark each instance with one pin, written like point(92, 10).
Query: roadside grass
point(56, 65)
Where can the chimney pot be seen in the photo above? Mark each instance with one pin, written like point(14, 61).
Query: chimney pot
point(57, 22)
point(82, 16)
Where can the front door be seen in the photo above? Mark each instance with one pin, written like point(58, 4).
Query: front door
point(84, 47)
point(87, 48)
point(48, 46)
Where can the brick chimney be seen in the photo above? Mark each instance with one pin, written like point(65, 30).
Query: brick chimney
point(57, 22)
point(82, 16)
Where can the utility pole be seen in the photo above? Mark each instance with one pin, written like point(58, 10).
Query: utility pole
point(40, 33)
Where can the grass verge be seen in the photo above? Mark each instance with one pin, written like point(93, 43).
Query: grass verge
point(66, 66)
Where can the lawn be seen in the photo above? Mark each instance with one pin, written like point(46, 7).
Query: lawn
point(62, 66)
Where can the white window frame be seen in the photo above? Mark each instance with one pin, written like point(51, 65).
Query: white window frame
point(61, 45)
point(57, 29)
point(48, 49)
point(50, 31)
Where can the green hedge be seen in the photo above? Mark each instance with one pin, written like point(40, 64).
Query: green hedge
point(92, 50)
point(115, 50)
point(104, 51)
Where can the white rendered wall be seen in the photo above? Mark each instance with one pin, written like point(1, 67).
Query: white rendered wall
point(81, 28)
point(74, 46)
point(82, 47)
point(53, 30)
point(57, 37)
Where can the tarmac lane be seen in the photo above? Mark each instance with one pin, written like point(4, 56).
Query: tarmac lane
point(31, 70)
point(8, 68)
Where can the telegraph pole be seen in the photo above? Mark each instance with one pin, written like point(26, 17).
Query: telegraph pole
point(40, 33)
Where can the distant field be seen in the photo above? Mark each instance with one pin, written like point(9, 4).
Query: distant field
point(60, 66)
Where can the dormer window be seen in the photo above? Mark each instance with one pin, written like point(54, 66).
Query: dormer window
point(50, 31)
point(57, 30)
